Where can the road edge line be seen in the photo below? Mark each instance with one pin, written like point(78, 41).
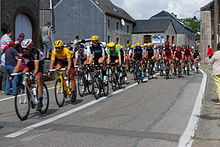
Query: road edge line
point(186, 138)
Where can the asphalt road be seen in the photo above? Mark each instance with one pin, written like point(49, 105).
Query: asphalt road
point(151, 114)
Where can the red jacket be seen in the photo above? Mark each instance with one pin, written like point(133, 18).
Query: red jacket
point(210, 52)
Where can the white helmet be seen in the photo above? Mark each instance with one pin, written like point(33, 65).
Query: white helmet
point(26, 43)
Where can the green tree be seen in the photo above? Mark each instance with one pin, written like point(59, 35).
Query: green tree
point(193, 23)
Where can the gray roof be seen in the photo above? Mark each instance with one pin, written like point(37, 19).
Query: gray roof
point(208, 7)
point(110, 9)
point(178, 25)
point(151, 26)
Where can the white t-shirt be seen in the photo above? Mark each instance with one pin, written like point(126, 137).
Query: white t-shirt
point(4, 41)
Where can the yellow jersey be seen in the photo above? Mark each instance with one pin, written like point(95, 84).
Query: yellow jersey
point(64, 54)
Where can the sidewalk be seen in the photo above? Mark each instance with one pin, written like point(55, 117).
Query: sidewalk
point(208, 130)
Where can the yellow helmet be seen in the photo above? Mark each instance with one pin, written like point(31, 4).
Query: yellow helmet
point(111, 44)
point(58, 43)
point(119, 46)
point(132, 46)
point(149, 44)
point(94, 38)
point(138, 44)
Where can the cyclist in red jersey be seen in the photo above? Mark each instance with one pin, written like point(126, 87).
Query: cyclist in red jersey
point(168, 54)
point(188, 55)
point(178, 56)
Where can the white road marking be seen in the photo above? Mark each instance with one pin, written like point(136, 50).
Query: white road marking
point(34, 126)
point(186, 138)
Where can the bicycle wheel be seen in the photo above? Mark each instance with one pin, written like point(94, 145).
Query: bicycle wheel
point(96, 88)
point(45, 100)
point(81, 84)
point(22, 103)
point(187, 66)
point(167, 70)
point(59, 93)
point(106, 86)
point(114, 81)
point(89, 83)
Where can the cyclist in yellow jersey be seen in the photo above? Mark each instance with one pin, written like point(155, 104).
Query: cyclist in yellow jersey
point(62, 57)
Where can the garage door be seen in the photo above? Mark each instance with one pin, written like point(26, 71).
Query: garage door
point(23, 25)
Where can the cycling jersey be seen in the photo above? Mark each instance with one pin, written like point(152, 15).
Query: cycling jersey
point(196, 53)
point(168, 52)
point(159, 50)
point(63, 55)
point(178, 54)
point(113, 55)
point(97, 52)
point(82, 55)
point(122, 52)
point(150, 53)
point(187, 53)
point(29, 60)
point(138, 53)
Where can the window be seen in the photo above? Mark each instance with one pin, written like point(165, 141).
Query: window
point(168, 38)
point(128, 29)
point(147, 38)
point(117, 25)
point(117, 40)
point(173, 39)
point(109, 39)
point(108, 23)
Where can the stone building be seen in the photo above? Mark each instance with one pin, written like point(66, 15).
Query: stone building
point(20, 16)
point(156, 31)
point(170, 27)
point(88, 17)
point(207, 21)
point(210, 25)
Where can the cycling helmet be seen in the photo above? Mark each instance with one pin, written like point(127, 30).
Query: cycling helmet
point(187, 45)
point(178, 47)
point(94, 38)
point(149, 44)
point(26, 43)
point(132, 46)
point(138, 44)
point(58, 43)
point(119, 46)
point(166, 43)
point(111, 44)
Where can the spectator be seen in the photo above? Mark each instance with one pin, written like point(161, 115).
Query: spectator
point(2, 70)
point(5, 40)
point(46, 38)
point(11, 57)
point(209, 52)
point(215, 61)
point(18, 42)
point(75, 42)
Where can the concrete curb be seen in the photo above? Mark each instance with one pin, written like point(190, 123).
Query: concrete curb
point(186, 138)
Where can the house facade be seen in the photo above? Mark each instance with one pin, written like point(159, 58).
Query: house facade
point(156, 31)
point(23, 17)
point(92, 17)
point(184, 34)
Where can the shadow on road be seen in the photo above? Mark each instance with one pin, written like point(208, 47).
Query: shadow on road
point(209, 117)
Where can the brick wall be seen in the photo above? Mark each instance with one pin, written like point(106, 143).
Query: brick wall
point(11, 8)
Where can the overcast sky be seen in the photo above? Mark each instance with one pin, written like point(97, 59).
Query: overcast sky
point(144, 9)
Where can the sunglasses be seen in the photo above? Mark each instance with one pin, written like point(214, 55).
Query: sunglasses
point(58, 48)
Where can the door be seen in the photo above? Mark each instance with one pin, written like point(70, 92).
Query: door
point(23, 25)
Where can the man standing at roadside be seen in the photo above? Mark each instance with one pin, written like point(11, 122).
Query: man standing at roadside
point(5, 40)
point(46, 38)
